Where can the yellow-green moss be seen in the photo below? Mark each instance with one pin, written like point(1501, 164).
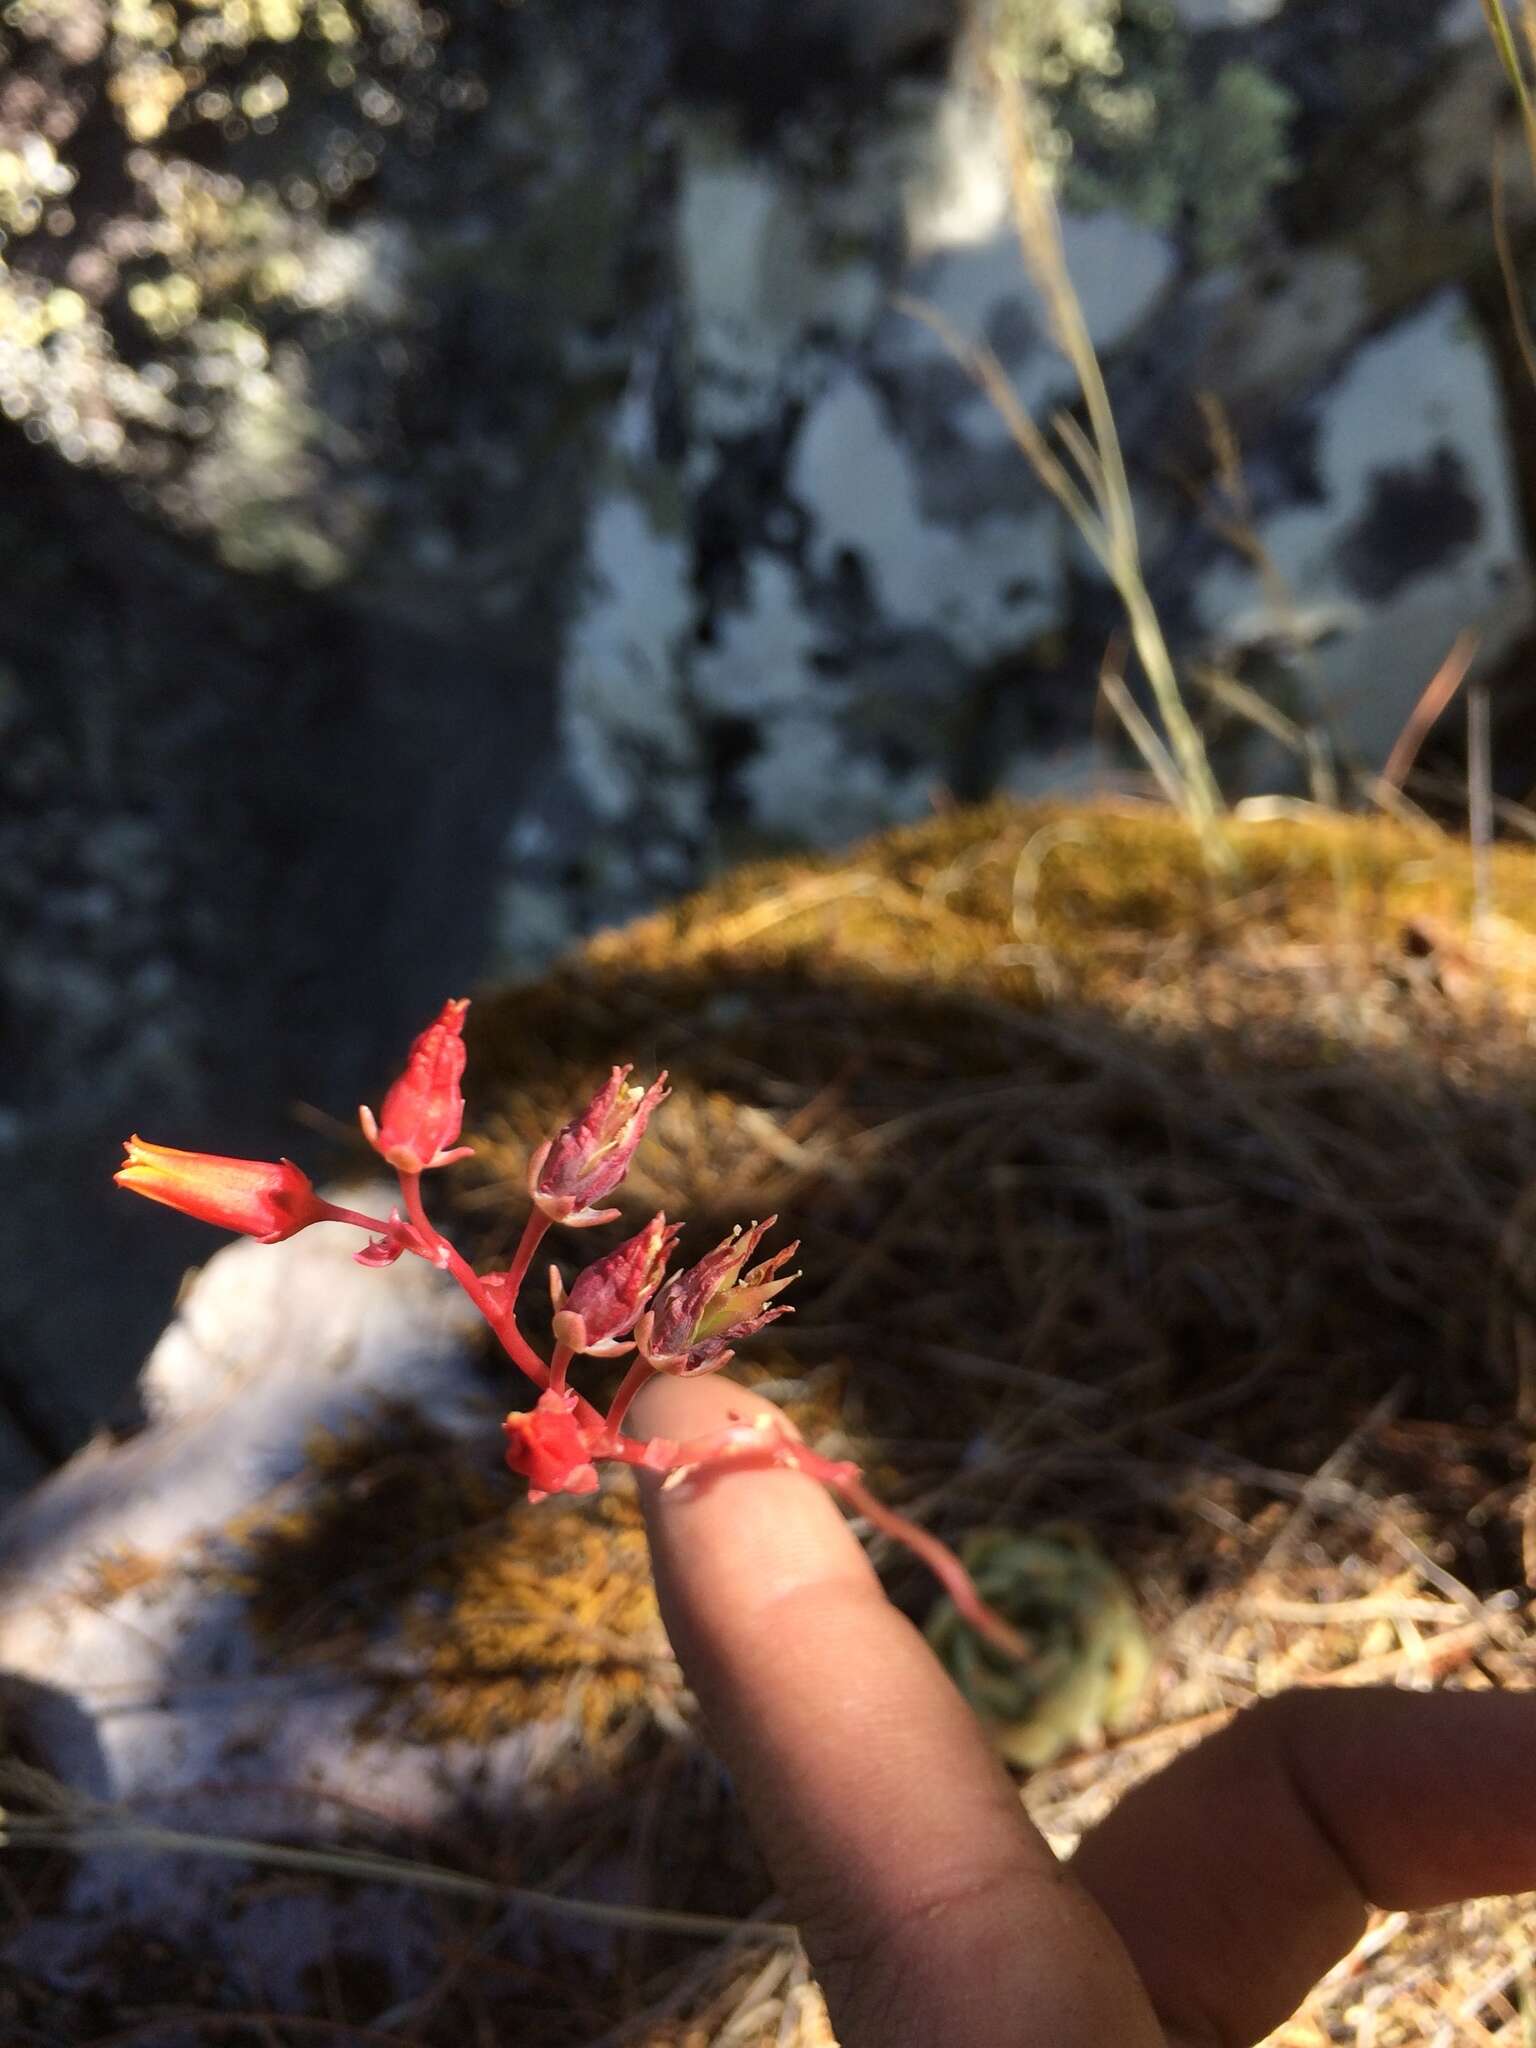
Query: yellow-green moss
point(423, 1571)
point(1030, 1084)
point(1048, 1106)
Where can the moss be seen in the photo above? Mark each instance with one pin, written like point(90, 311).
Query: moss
point(937, 905)
point(116, 1573)
point(1016, 1072)
point(492, 1611)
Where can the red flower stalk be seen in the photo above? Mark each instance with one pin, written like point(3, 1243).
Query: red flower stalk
point(685, 1324)
point(591, 1155)
point(264, 1199)
point(424, 1111)
point(603, 1302)
point(704, 1310)
point(552, 1445)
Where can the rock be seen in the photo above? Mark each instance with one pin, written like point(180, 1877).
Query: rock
point(1199, 14)
point(765, 283)
point(268, 1343)
point(1406, 531)
point(148, 1661)
point(983, 586)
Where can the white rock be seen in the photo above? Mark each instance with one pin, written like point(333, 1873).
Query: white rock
point(758, 278)
point(808, 781)
point(621, 710)
point(268, 1343)
point(759, 664)
point(160, 1697)
point(987, 585)
point(967, 262)
point(1416, 410)
point(1225, 13)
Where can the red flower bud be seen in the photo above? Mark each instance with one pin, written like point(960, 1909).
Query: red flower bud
point(549, 1446)
point(424, 1111)
point(706, 1308)
point(261, 1198)
point(589, 1158)
point(605, 1299)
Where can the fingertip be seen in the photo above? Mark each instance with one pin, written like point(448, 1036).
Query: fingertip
point(897, 1840)
point(729, 1547)
point(669, 1405)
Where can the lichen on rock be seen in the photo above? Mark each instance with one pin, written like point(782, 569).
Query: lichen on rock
point(149, 305)
point(1134, 123)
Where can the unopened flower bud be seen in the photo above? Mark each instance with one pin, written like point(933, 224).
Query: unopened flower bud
point(591, 1155)
point(604, 1300)
point(424, 1111)
point(549, 1446)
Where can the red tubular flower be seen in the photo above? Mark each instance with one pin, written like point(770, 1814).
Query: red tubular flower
point(550, 1447)
point(424, 1111)
point(589, 1158)
point(605, 1299)
point(705, 1309)
point(259, 1197)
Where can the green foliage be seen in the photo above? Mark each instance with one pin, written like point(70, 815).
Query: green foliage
point(1092, 1657)
point(158, 319)
point(1132, 126)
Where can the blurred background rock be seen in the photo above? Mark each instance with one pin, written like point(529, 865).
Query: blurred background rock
point(468, 477)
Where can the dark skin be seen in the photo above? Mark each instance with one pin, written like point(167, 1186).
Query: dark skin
point(1198, 1915)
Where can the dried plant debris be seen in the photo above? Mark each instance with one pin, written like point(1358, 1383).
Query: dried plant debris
point(1195, 1214)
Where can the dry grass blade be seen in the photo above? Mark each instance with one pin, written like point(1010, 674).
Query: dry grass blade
point(1103, 512)
point(80, 1826)
point(1509, 56)
point(1157, 757)
point(1437, 694)
point(1514, 297)
point(1100, 457)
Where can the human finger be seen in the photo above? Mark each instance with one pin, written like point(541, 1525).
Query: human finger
point(931, 1909)
point(1242, 1872)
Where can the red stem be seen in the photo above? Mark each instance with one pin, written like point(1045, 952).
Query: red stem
point(522, 1258)
point(737, 1447)
point(744, 1446)
point(376, 1224)
point(442, 1254)
point(639, 1372)
point(941, 1561)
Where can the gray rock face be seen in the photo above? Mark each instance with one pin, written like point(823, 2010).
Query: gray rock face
point(469, 483)
point(1407, 530)
point(157, 1696)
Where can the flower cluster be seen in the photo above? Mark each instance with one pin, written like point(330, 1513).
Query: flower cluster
point(625, 1302)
